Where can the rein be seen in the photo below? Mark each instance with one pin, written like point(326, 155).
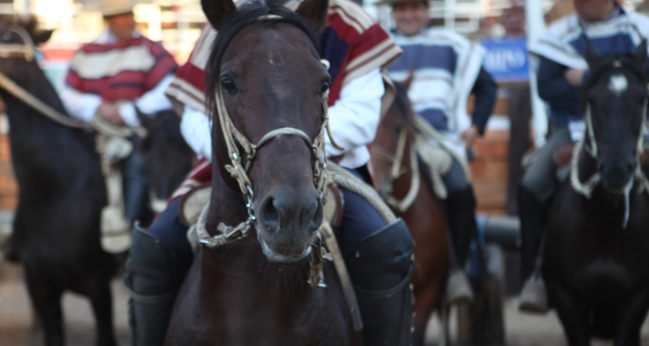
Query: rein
point(396, 171)
point(26, 51)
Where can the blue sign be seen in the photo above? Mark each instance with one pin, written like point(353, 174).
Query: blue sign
point(507, 59)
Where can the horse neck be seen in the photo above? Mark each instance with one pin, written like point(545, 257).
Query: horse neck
point(227, 204)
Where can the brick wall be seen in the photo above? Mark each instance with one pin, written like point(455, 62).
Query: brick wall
point(8, 186)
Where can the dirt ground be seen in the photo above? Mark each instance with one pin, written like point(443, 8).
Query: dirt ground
point(16, 320)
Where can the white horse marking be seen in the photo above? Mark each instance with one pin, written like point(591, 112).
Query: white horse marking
point(618, 84)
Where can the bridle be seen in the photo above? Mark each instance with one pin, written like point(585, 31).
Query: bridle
point(396, 170)
point(588, 144)
point(239, 172)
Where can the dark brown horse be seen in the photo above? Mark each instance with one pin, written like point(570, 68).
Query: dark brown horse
point(254, 291)
point(56, 230)
point(394, 175)
point(597, 245)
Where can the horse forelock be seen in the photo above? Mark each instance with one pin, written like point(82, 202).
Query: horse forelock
point(247, 14)
point(401, 103)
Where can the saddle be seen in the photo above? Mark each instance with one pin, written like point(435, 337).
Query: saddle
point(114, 146)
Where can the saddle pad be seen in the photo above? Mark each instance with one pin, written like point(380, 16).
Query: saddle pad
point(193, 203)
point(438, 162)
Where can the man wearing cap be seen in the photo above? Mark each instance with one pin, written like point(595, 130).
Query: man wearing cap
point(446, 69)
point(119, 72)
point(357, 50)
point(562, 70)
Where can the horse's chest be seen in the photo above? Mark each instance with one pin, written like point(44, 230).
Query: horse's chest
point(586, 246)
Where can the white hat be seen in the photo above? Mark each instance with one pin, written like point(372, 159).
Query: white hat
point(115, 7)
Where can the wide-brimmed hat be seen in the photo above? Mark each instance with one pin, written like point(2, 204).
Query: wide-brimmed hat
point(394, 2)
point(114, 7)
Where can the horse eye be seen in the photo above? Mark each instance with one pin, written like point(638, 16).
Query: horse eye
point(228, 85)
point(325, 86)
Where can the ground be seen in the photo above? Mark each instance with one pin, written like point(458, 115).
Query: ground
point(16, 320)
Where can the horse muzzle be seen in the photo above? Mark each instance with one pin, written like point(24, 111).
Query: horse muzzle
point(287, 225)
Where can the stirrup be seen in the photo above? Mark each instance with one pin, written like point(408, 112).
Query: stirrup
point(534, 296)
point(458, 288)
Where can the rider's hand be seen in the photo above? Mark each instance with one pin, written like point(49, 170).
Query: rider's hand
point(574, 76)
point(469, 136)
point(110, 112)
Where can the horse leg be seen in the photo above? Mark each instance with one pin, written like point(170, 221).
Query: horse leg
point(633, 318)
point(425, 302)
point(444, 332)
point(47, 303)
point(575, 323)
point(102, 307)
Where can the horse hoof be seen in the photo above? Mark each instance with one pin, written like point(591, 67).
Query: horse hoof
point(458, 289)
point(534, 296)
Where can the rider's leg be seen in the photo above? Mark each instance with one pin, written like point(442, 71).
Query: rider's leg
point(538, 186)
point(136, 189)
point(379, 260)
point(158, 262)
point(460, 210)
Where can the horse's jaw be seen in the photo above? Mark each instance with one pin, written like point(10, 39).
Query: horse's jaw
point(275, 257)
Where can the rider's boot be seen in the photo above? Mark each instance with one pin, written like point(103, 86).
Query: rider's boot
point(154, 275)
point(534, 296)
point(460, 210)
point(380, 269)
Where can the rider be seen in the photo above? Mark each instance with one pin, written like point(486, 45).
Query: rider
point(358, 50)
point(444, 69)
point(113, 77)
point(562, 70)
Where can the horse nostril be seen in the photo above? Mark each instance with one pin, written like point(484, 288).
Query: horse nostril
point(270, 215)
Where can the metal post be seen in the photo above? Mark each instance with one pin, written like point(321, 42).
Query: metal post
point(535, 28)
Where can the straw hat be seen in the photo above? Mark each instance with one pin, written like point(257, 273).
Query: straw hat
point(114, 7)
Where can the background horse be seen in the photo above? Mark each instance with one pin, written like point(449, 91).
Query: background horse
point(254, 291)
point(56, 232)
point(425, 216)
point(597, 248)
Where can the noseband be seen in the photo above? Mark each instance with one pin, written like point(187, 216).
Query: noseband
point(240, 173)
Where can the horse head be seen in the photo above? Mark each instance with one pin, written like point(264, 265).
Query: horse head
point(615, 98)
point(19, 37)
point(167, 157)
point(265, 75)
point(392, 137)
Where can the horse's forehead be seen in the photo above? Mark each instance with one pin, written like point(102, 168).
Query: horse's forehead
point(280, 40)
point(618, 83)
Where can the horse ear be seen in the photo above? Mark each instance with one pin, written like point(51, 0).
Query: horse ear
point(641, 53)
point(314, 12)
point(217, 11)
point(42, 36)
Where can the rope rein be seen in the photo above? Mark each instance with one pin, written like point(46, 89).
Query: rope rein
point(26, 51)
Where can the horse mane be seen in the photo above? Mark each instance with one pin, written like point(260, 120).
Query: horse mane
point(247, 14)
point(604, 63)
